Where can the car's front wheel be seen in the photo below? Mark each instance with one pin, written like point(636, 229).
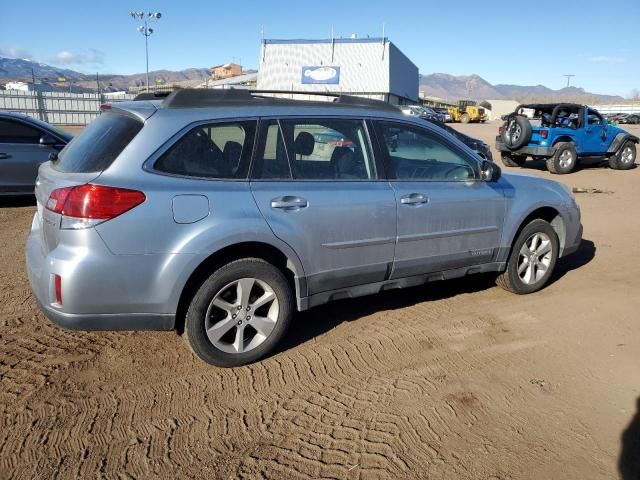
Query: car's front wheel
point(240, 313)
point(532, 260)
point(625, 158)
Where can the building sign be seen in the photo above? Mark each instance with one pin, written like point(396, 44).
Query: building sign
point(323, 74)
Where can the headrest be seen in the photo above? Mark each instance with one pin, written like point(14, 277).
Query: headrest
point(304, 143)
point(232, 150)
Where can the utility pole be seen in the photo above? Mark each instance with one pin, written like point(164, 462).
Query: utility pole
point(568, 75)
point(146, 31)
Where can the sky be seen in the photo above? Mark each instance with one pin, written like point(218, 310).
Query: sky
point(515, 42)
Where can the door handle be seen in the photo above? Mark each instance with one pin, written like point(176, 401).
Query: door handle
point(414, 199)
point(4, 155)
point(289, 202)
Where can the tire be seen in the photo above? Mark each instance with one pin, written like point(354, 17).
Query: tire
point(518, 283)
point(225, 286)
point(510, 160)
point(564, 158)
point(465, 118)
point(516, 132)
point(624, 158)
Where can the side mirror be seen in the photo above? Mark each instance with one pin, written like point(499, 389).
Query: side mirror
point(489, 171)
point(47, 140)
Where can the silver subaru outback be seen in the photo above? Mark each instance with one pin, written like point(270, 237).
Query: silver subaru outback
point(224, 212)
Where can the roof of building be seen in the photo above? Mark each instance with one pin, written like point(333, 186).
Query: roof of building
point(226, 65)
point(326, 40)
point(237, 80)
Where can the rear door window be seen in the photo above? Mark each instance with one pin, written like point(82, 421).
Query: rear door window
point(328, 149)
point(99, 144)
point(220, 150)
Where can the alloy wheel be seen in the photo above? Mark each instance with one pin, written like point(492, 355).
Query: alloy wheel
point(242, 315)
point(565, 159)
point(534, 258)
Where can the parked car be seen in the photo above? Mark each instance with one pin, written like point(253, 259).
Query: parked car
point(629, 118)
point(422, 112)
point(474, 144)
point(562, 134)
point(445, 113)
point(209, 210)
point(25, 143)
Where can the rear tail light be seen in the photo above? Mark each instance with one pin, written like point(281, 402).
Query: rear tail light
point(500, 130)
point(87, 205)
point(544, 133)
point(57, 280)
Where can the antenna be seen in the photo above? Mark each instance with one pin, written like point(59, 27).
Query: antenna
point(333, 44)
point(383, 41)
point(568, 75)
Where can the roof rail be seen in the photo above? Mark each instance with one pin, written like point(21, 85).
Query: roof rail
point(199, 97)
point(202, 97)
point(365, 102)
point(150, 96)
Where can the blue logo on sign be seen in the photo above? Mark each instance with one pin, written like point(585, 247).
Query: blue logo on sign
point(327, 75)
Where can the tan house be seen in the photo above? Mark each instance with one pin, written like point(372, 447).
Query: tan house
point(227, 70)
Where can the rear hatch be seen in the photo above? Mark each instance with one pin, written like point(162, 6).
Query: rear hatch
point(81, 162)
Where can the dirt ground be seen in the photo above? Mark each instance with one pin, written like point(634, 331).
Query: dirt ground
point(456, 380)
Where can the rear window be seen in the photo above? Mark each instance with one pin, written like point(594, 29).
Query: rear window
point(98, 145)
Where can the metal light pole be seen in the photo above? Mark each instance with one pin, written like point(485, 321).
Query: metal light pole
point(146, 31)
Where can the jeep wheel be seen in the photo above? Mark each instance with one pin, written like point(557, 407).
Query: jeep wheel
point(564, 159)
point(465, 118)
point(516, 132)
point(240, 313)
point(625, 158)
point(512, 160)
point(532, 260)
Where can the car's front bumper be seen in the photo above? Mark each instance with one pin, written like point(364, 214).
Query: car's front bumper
point(572, 245)
point(533, 151)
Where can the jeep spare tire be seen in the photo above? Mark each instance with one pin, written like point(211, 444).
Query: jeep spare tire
point(516, 132)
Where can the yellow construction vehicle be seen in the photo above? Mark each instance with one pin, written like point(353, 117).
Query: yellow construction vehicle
point(467, 111)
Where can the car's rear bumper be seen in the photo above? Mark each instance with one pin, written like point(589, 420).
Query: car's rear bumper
point(533, 151)
point(99, 292)
point(108, 321)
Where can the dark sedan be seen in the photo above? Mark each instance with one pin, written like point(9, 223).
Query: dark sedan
point(475, 144)
point(25, 143)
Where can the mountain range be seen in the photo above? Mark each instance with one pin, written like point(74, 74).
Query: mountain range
point(439, 85)
point(20, 69)
point(474, 87)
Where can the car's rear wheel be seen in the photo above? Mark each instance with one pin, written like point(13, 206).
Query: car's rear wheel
point(532, 260)
point(511, 160)
point(564, 158)
point(240, 313)
point(625, 158)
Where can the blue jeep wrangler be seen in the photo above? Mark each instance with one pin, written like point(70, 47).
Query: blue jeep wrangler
point(562, 133)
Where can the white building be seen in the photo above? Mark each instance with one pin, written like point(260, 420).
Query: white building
point(28, 87)
point(369, 67)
